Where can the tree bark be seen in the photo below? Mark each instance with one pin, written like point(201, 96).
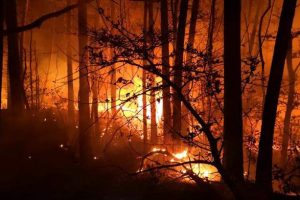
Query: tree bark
point(71, 109)
point(178, 67)
point(289, 106)
point(233, 124)
point(1, 48)
point(113, 88)
point(165, 70)
point(84, 110)
point(144, 78)
point(264, 161)
point(14, 62)
point(190, 45)
point(153, 128)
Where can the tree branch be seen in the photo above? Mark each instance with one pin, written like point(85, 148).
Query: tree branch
point(39, 21)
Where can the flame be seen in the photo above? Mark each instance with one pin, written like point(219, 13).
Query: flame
point(181, 155)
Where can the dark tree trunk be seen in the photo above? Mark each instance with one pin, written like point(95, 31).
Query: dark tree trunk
point(264, 161)
point(165, 70)
point(289, 106)
point(84, 110)
point(192, 31)
point(178, 67)
point(14, 62)
point(233, 124)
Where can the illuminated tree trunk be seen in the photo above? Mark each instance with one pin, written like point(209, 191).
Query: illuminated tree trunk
point(144, 78)
point(233, 124)
point(192, 31)
point(37, 81)
point(152, 80)
point(289, 106)
point(178, 68)
point(254, 28)
point(84, 110)
point(113, 87)
point(14, 62)
point(71, 115)
point(165, 70)
point(1, 49)
point(30, 70)
point(264, 161)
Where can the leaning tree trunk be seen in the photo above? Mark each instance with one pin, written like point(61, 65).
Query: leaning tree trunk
point(14, 62)
point(264, 161)
point(178, 68)
point(233, 123)
point(84, 110)
point(165, 70)
point(190, 45)
point(289, 106)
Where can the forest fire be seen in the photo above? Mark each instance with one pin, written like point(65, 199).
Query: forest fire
point(149, 99)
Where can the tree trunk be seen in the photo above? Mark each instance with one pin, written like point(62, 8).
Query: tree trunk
point(153, 127)
point(14, 62)
point(264, 161)
point(233, 124)
point(178, 67)
point(113, 87)
point(144, 78)
point(192, 31)
point(289, 106)
point(165, 70)
point(1, 49)
point(71, 115)
point(84, 110)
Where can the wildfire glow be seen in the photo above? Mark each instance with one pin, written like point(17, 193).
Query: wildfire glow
point(181, 155)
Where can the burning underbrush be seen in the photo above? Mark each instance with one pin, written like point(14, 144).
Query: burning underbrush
point(185, 166)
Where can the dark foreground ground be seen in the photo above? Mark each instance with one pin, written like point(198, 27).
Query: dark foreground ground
point(34, 166)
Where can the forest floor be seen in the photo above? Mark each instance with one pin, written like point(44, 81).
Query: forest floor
point(34, 166)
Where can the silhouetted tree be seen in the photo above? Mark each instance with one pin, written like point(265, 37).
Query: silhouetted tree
point(289, 105)
point(83, 96)
point(178, 67)
point(165, 69)
point(233, 123)
point(264, 162)
point(189, 60)
point(14, 63)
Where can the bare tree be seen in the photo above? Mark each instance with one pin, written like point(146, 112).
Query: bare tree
point(14, 63)
point(233, 123)
point(165, 69)
point(1, 48)
point(189, 60)
point(71, 109)
point(83, 96)
point(178, 67)
point(264, 162)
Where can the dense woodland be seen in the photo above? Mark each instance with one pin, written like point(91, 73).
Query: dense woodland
point(149, 99)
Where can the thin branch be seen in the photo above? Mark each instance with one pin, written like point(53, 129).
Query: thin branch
point(39, 21)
